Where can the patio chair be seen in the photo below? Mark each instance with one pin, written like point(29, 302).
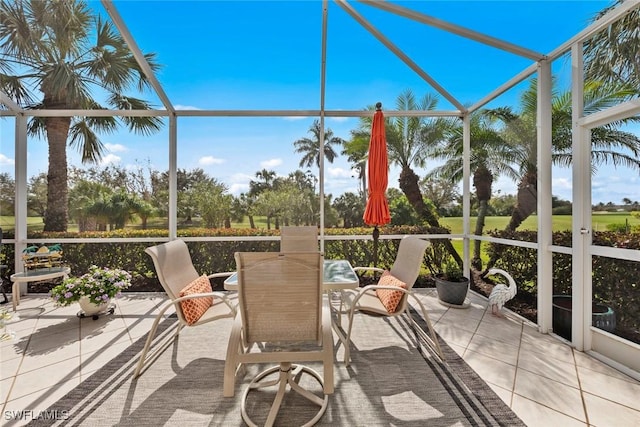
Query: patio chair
point(283, 312)
point(299, 238)
point(390, 296)
point(189, 292)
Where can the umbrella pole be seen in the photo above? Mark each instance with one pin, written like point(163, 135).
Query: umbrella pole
point(376, 236)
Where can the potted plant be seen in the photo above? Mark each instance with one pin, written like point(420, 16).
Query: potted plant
point(451, 284)
point(93, 290)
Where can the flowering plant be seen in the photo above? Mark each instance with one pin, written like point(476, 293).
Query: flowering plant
point(99, 285)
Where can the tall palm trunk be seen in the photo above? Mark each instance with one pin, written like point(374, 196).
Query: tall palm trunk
point(411, 189)
point(56, 217)
point(527, 201)
point(526, 204)
point(483, 206)
point(482, 181)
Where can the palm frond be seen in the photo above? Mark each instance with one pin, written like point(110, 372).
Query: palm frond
point(85, 140)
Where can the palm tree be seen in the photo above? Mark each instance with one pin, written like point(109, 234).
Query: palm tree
point(490, 157)
point(357, 150)
point(310, 147)
point(611, 56)
point(265, 182)
point(53, 54)
point(409, 140)
point(608, 144)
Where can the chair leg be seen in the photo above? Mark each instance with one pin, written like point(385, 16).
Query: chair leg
point(347, 343)
point(287, 374)
point(327, 346)
point(432, 331)
point(144, 360)
point(234, 348)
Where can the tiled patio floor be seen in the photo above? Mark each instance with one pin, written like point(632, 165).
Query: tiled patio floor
point(543, 380)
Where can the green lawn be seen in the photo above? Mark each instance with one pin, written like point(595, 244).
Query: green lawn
point(560, 222)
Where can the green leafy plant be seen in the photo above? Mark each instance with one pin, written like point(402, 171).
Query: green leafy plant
point(452, 272)
point(99, 285)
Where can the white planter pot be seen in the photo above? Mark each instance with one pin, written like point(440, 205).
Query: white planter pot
point(89, 308)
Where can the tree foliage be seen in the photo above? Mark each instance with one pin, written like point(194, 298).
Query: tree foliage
point(56, 54)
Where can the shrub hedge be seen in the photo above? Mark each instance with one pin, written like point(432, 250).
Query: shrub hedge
point(615, 282)
point(217, 256)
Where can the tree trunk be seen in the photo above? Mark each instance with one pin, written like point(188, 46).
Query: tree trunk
point(482, 181)
point(57, 214)
point(476, 261)
point(411, 189)
point(527, 201)
point(252, 223)
point(526, 204)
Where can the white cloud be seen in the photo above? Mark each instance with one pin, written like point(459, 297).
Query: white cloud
point(562, 184)
point(341, 173)
point(339, 119)
point(239, 183)
point(185, 107)
point(238, 188)
point(5, 161)
point(115, 148)
point(210, 160)
point(109, 158)
point(241, 177)
point(271, 163)
point(294, 118)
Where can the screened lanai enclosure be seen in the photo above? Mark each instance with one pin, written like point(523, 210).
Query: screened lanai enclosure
point(235, 111)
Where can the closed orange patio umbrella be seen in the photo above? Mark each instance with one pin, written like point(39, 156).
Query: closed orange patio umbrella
point(377, 210)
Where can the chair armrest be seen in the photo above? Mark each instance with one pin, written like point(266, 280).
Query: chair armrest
point(374, 269)
point(351, 297)
point(225, 274)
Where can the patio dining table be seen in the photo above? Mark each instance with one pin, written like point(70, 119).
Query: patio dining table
point(338, 274)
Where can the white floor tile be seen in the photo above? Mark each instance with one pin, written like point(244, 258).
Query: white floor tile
point(549, 367)
point(495, 349)
point(550, 393)
point(491, 370)
point(604, 413)
point(56, 359)
point(534, 414)
point(614, 389)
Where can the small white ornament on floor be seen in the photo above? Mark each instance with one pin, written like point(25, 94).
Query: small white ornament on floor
point(501, 293)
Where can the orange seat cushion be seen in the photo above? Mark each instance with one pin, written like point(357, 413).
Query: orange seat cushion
point(388, 297)
point(193, 309)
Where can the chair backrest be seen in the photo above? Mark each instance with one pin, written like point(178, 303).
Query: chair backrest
point(406, 266)
point(299, 238)
point(280, 296)
point(173, 265)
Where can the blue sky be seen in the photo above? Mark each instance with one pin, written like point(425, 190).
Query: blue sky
point(265, 55)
